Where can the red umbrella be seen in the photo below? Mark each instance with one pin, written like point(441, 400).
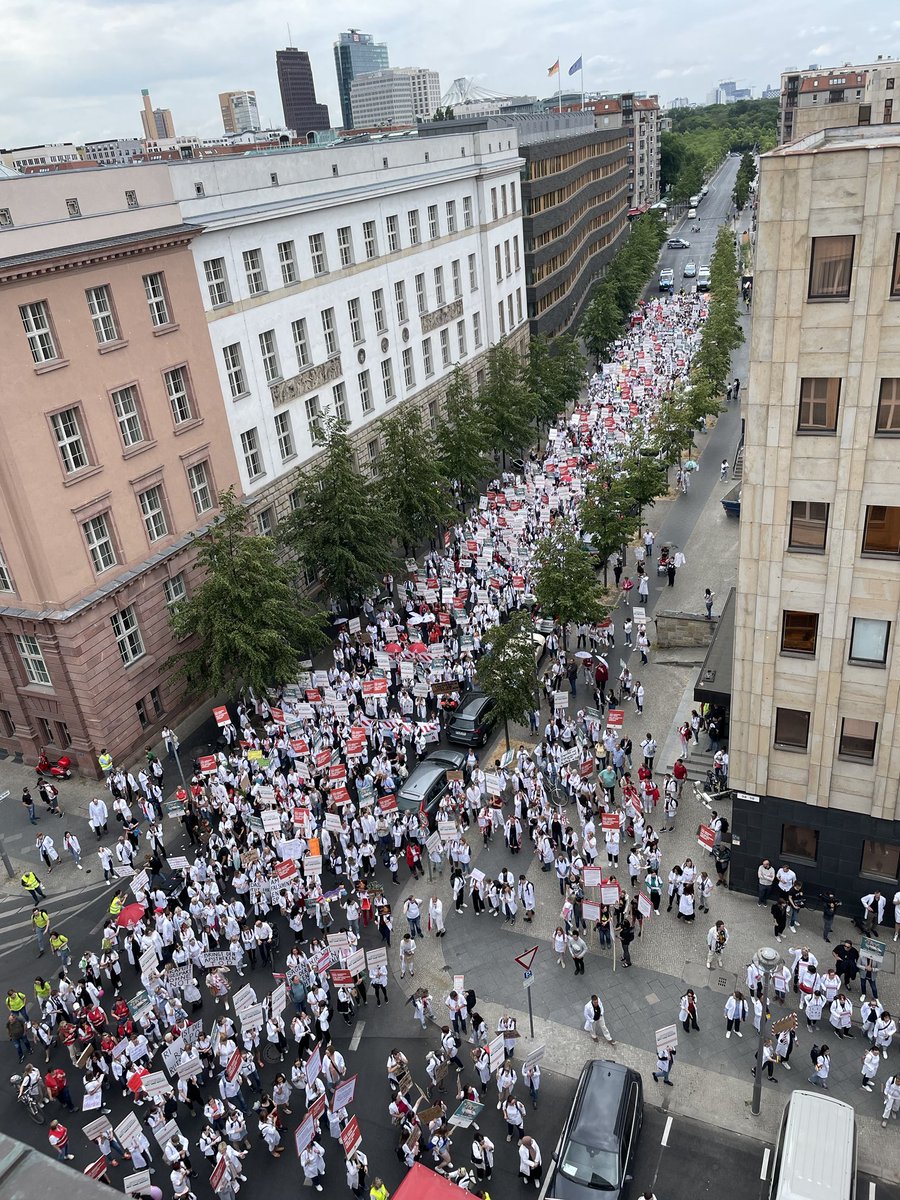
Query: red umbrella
point(393, 648)
point(417, 648)
point(130, 915)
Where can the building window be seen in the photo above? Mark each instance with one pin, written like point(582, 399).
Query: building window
point(301, 342)
point(882, 532)
point(800, 842)
point(858, 739)
point(314, 419)
point(432, 415)
point(373, 449)
point(501, 317)
point(70, 440)
point(265, 522)
point(141, 709)
point(178, 388)
point(519, 305)
point(869, 640)
point(888, 418)
point(467, 212)
point(36, 321)
point(830, 266)
point(378, 309)
point(128, 635)
point(339, 397)
point(154, 513)
point(439, 286)
point(157, 300)
point(799, 631)
point(217, 281)
point(6, 583)
point(809, 524)
point(365, 391)
point(345, 245)
point(329, 332)
point(317, 254)
point(285, 436)
point(32, 659)
point(234, 369)
point(355, 316)
point(434, 228)
point(461, 338)
point(253, 269)
point(268, 348)
point(252, 453)
point(819, 399)
point(791, 728)
point(99, 543)
point(445, 347)
point(370, 240)
point(509, 310)
point(476, 328)
point(427, 357)
point(6, 222)
point(156, 701)
point(864, 114)
point(175, 590)
point(46, 730)
point(516, 259)
point(387, 379)
point(880, 860)
point(503, 202)
point(507, 256)
point(450, 209)
point(886, 120)
point(287, 260)
point(201, 492)
point(409, 371)
point(421, 295)
point(498, 263)
point(456, 277)
point(415, 235)
point(8, 724)
point(73, 208)
point(128, 416)
point(393, 234)
point(494, 212)
point(400, 301)
point(473, 274)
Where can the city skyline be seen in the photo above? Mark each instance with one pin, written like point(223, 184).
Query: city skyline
point(77, 71)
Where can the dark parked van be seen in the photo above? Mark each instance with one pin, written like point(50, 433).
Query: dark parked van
point(597, 1146)
point(469, 725)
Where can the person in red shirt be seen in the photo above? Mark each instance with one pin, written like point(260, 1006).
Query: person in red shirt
point(679, 771)
point(67, 1035)
point(58, 1088)
point(59, 1139)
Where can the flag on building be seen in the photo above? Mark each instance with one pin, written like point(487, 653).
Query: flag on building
point(554, 70)
point(576, 66)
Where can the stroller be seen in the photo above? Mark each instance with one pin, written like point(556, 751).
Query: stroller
point(662, 563)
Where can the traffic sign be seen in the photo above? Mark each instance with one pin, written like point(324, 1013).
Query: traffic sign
point(527, 978)
point(526, 959)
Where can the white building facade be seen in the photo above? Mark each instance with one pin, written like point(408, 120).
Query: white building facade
point(396, 96)
point(346, 280)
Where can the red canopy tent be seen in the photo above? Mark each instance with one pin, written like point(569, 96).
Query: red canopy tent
point(421, 1183)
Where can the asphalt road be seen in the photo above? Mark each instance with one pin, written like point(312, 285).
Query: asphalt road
point(713, 211)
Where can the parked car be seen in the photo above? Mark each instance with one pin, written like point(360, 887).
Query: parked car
point(703, 279)
point(666, 279)
point(469, 725)
point(453, 760)
point(426, 784)
point(689, 270)
point(692, 214)
point(677, 243)
point(598, 1142)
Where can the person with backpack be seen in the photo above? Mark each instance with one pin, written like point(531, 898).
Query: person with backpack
point(821, 1060)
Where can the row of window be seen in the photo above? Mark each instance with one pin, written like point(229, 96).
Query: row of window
point(869, 637)
point(321, 256)
point(878, 860)
point(831, 267)
point(43, 340)
point(808, 529)
point(820, 404)
point(857, 739)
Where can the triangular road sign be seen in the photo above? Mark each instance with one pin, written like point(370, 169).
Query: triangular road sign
point(525, 960)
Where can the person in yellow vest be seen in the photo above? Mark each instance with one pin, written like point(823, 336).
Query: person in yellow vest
point(17, 1002)
point(378, 1191)
point(42, 991)
point(40, 920)
point(59, 944)
point(117, 903)
point(32, 886)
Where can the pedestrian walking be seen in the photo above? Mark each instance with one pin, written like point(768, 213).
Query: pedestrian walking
point(32, 886)
point(871, 1061)
point(723, 469)
point(735, 1013)
point(687, 1012)
point(768, 1061)
point(665, 1061)
point(577, 949)
point(58, 1137)
point(40, 921)
point(28, 802)
point(594, 1021)
point(716, 941)
point(708, 603)
point(820, 1057)
point(891, 1099)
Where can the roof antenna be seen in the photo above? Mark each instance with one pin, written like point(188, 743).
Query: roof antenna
point(290, 43)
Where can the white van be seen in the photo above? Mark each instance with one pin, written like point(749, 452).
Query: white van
point(692, 212)
point(815, 1158)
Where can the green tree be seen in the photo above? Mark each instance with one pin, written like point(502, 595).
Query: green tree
point(338, 529)
point(722, 332)
point(555, 376)
point(506, 403)
point(565, 584)
point(608, 515)
point(645, 479)
point(247, 622)
point(602, 322)
point(461, 438)
point(506, 671)
point(625, 279)
point(414, 491)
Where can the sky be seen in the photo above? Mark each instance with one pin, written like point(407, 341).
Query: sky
point(72, 70)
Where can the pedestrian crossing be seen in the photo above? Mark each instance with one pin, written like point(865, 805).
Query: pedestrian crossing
point(15, 911)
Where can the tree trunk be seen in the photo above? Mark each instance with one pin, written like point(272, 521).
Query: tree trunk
point(506, 731)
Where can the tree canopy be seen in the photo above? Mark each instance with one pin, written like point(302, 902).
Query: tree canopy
point(566, 586)
point(506, 404)
point(506, 672)
point(462, 440)
point(621, 287)
point(701, 137)
point(416, 495)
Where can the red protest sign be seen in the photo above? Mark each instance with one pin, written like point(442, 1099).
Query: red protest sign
point(96, 1169)
point(299, 746)
point(337, 771)
point(323, 758)
point(615, 718)
point(304, 1133)
point(284, 870)
point(215, 1180)
point(313, 695)
point(341, 977)
point(299, 815)
point(706, 837)
point(233, 1066)
point(387, 803)
point(586, 767)
point(221, 715)
point(610, 820)
point(350, 1136)
point(317, 1108)
point(207, 763)
point(374, 687)
point(277, 716)
point(340, 795)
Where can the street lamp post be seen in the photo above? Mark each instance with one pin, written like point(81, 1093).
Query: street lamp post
point(767, 960)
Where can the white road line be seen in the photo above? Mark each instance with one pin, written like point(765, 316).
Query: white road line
point(665, 1136)
point(871, 1189)
point(357, 1038)
point(764, 1169)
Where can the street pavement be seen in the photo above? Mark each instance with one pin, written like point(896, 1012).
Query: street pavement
point(709, 1104)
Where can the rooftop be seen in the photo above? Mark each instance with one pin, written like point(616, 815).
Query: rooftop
point(851, 137)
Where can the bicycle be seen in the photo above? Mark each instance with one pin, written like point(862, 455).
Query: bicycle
point(32, 1104)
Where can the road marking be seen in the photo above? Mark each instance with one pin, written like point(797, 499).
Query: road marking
point(764, 1169)
point(357, 1038)
point(665, 1136)
point(871, 1189)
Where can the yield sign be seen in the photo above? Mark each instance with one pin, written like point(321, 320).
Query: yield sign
point(525, 960)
